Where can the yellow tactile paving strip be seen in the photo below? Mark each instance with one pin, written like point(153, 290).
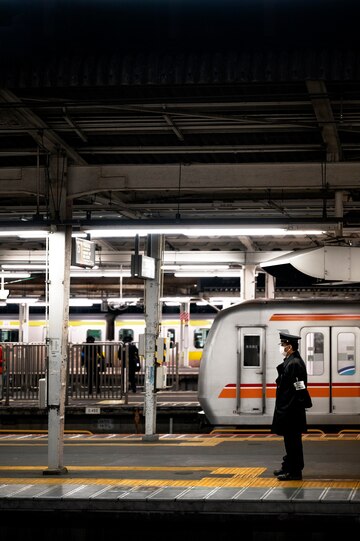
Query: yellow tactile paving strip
point(230, 477)
point(233, 482)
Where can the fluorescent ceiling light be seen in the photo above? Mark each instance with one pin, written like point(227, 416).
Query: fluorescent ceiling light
point(22, 300)
point(76, 301)
point(175, 299)
point(209, 273)
point(206, 267)
point(123, 300)
point(198, 231)
point(28, 266)
point(14, 275)
point(100, 274)
point(24, 234)
point(250, 232)
point(32, 234)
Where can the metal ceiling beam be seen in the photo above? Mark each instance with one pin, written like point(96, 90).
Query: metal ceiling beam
point(36, 128)
point(324, 115)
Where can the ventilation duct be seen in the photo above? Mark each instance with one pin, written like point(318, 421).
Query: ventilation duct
point(338, 263)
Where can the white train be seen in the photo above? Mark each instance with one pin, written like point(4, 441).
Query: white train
point(190, 336)
point(238, 367)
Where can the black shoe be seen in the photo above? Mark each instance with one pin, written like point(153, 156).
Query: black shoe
point(278, 472)
point(290, 477)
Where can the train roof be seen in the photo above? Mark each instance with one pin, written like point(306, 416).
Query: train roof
point(285, 302)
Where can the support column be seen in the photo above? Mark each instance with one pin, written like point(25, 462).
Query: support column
point(152, 321)
point(184, 333)
point(248, 282)
point(59, 289)
point(269, 286)
point(339, 212)
point(24, 322)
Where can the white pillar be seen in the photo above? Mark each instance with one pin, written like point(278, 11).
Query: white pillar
point(59, 287)
point(248, 282)
point(152, 321)
point(184, 333)
point(24, 322)
point(269, 286)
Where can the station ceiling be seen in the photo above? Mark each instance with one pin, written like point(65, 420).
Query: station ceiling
point(246, 115)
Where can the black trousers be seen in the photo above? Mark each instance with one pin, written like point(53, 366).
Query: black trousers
point(293, 461)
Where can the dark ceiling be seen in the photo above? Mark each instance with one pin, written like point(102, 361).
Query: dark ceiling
point(184, 83)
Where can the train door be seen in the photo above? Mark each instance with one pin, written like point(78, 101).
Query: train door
point(345, 351)
point(315, 350)
point(251, 370)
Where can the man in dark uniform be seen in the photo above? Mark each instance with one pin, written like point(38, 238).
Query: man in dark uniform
point(289, 418)
point(134, 361)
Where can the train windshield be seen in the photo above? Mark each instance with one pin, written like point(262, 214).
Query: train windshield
point(200, 336)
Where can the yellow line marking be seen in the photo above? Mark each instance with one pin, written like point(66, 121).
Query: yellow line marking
point(213, 469)
point(45, 432)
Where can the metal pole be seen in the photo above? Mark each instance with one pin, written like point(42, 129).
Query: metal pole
point(152, 320)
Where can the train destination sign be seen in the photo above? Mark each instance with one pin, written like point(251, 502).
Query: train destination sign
point(142, 266)
point(83, 253)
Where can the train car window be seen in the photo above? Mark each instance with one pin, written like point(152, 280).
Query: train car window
point(346, 354)
point(251, 350)
point(9, 335)
point(314, 353)
point(200, 336)
point(96, 333)
point(171, 336)
point(126, 332)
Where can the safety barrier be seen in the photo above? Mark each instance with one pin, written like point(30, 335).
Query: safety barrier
point(24, 369)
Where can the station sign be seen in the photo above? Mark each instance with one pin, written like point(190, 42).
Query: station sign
point(142, 266)
point(83, 253)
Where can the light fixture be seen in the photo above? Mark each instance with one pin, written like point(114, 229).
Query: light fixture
point(15, 275)
point(123, 300)
point(77, 301)
point(175, 299)
point(179, 268)
point(22, 300)
point(25, 234)
point(21, 266)
point(208, 273)
point(198, 231)
point(100, 273)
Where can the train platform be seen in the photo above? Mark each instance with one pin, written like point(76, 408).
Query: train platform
point(179, 484)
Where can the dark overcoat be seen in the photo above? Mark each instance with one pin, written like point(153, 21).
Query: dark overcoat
point(289, 413)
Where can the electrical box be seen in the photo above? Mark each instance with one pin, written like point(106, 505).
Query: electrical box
point(42, 393)
point(141, 345)
point(161, 373)
point(162, 349)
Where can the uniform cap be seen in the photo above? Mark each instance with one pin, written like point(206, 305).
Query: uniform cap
point(285, 337)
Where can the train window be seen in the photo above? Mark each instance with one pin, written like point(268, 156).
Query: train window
point(125, 333)
point(346, 354)
point(171, 336)
point(9, 335)
point(200, 336)
point(96, 333)
point(314, 353)
point(251, 350)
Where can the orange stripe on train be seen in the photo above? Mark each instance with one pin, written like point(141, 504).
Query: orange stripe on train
point(314, 317)
point(317, 391)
